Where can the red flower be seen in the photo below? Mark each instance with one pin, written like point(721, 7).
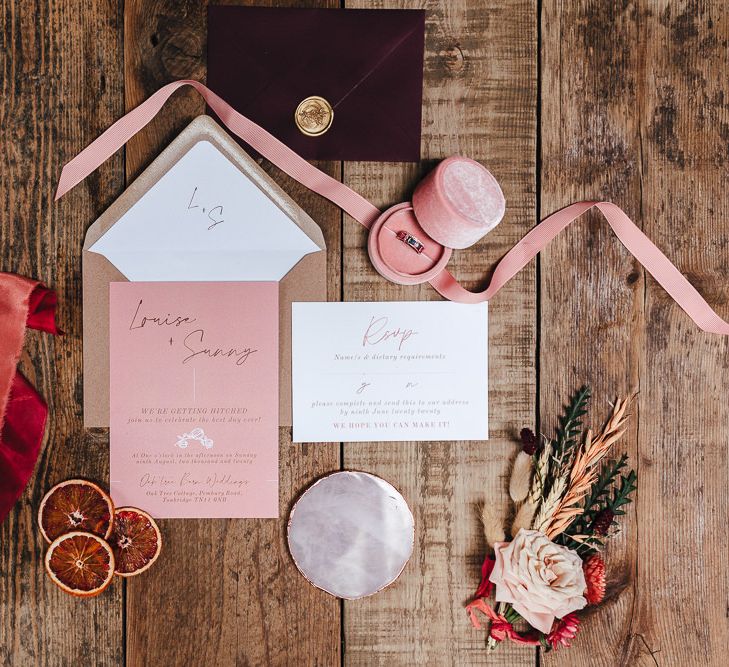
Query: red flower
point(485, 587)
point(603, 521)
point(594, 569)
point(529, 441)
point(564, 631)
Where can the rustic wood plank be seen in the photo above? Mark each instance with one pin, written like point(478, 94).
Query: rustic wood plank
point(592, 318)
point(685, 382)
point(591, 288)
point(61, 79)
point(479, 101)
point(620, 91)
point(224, 592)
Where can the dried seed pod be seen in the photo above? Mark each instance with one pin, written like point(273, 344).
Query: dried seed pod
point(524, 517)
point(493, 526)
point(521, 476)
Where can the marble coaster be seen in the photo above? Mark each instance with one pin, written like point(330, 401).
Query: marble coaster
point(351, 534)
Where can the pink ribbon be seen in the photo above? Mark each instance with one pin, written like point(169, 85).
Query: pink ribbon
point(500, 628)
point(654, 261)
point(102, 148)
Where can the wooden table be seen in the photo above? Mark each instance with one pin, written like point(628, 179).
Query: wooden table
point(562, 100)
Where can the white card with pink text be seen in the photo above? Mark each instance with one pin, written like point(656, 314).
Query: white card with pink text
point(392, 371)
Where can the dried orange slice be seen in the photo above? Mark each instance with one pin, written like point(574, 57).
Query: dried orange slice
point(80, 563)
point(135, 540)
point(75, 505)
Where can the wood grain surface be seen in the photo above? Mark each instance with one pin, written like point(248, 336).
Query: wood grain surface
point(62, 83)
point(634, 110)
point(563, 101)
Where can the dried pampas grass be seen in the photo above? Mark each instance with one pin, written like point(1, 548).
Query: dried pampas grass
point(493, 527)
point(525, 515)
point(521, 476)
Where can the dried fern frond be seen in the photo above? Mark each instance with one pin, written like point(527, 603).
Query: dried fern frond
point(569, 431)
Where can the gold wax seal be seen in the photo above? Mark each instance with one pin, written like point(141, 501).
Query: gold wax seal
point(314, 116)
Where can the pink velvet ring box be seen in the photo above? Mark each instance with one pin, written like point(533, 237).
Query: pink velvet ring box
point(455, 205)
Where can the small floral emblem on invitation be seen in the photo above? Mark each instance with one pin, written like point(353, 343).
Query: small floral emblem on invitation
point(196, 434)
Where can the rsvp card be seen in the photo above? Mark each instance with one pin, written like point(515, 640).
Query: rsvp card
point(194, 398)
point(390, 371)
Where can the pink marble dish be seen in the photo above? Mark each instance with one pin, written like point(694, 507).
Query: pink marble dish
point(351, 534)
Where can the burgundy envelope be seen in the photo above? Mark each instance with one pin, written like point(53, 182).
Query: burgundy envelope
point(367, 63)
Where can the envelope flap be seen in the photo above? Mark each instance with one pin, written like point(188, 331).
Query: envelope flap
point(204, 210)
point(371, 72)
point(314, 36)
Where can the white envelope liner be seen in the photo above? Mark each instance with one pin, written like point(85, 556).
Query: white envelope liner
point(204, 220)
point(351, 534)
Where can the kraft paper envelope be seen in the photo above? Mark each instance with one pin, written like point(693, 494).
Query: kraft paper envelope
point(203, 210)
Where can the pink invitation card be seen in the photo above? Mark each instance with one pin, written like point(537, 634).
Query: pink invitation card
point(194, 398)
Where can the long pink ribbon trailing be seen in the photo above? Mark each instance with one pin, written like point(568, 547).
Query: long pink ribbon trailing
point(654, 261)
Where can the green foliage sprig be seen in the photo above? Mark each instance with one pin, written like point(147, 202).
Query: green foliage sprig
point(621, 493)
point(569, 431)
point(611, 491)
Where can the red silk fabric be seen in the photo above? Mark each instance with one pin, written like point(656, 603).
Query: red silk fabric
point(500, 628)
point(23, 303)
point(485, 587)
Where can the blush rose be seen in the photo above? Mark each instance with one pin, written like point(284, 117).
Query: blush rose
point(540, 579)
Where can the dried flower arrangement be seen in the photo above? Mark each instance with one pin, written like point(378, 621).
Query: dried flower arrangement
point(567, 496)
